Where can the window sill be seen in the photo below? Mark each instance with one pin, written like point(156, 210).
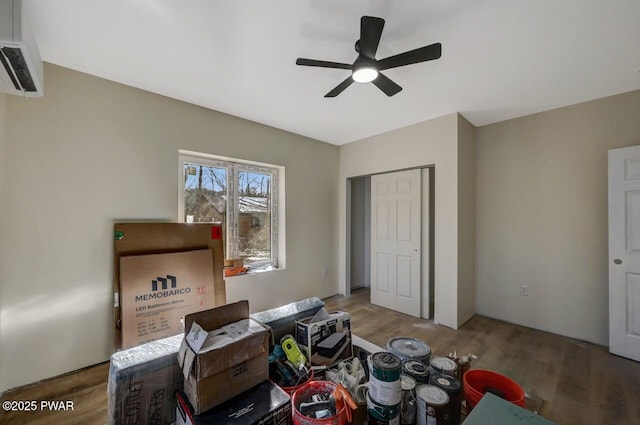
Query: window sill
point(256, 270)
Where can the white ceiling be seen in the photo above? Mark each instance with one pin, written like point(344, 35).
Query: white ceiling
point(500, 58)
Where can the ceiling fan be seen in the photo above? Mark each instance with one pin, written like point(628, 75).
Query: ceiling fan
point(367, 68)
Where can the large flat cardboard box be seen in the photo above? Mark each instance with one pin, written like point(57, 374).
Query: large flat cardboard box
point(264, 404)
point(310, 334)
point(223, 354)
point(143, 382)
point(150, 237)
point(158, 290)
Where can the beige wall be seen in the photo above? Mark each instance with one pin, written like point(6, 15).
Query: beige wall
point(542, 215)
point(92, 151)
point(432, 142)
point(466, 220)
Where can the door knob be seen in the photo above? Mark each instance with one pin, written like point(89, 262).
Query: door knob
point(617, 261)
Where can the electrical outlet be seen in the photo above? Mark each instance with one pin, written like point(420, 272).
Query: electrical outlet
point(524, 290)
point(325, 271)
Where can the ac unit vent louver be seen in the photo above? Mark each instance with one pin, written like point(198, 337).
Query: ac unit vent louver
point(21, 71)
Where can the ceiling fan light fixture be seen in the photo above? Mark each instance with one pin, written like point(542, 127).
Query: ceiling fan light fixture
point(364, 74)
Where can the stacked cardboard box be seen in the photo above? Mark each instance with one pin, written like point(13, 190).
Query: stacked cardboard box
point(234, 267)
point(169, 252)
point(224, 353)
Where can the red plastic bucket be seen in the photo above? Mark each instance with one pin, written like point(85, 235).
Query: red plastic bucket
point(304, 393)
point(476, 382)
point(291, 390)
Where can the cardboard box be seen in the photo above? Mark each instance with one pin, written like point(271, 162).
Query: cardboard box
point(143, 382)
point(234, 262)
point(157, 290)
point(264, 404)
point(223, 354)
point(309, 335)
point(150, 237)
point(234, 271)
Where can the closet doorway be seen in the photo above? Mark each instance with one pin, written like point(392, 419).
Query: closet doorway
point(379, 258)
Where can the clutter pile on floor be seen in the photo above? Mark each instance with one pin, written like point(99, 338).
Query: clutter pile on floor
point(296, 364)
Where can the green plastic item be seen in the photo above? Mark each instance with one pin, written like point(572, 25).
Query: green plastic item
point(291, 349)
point(118, 235)
point(493, 410)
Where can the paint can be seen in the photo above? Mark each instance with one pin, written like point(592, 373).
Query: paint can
point(384, 378)
point(409, 349)
point(408, 404)
point(453, 387)
point(432, 405)
point(417, 370)
point(443, 365)
point(379, 414)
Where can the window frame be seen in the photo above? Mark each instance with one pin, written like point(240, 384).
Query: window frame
point(234, 167)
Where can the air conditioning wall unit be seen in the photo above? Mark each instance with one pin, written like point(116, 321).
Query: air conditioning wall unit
point(21, 71)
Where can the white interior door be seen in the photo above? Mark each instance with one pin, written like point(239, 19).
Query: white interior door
point(395, 241)
point(624, 252)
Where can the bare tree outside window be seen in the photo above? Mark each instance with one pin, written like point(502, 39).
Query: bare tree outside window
point(254, 224)
point(211, 194)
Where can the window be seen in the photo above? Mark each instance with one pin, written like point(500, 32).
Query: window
point(241, 196)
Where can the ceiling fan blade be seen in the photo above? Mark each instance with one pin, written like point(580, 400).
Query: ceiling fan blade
point(340, 87)
point(421, 54)
point(322, 64)
point(385, 84)
point(370, 33)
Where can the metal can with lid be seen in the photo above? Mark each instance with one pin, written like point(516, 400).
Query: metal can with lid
point(384, 378)
point(432, 405)
point(443, 365)
point(453, 387)
point(409, 349)
point(408, 406)
point(380, 414)
point(417, 370)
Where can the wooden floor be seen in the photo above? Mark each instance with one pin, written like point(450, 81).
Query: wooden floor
point(580, 383)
